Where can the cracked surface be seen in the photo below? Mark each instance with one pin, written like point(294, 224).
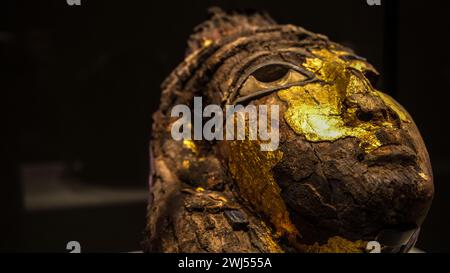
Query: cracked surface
point(350, 163)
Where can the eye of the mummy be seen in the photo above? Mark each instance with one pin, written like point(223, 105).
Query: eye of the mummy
point(270, 73)
point(270, 77)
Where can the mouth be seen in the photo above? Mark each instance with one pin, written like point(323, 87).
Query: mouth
point(396, 154)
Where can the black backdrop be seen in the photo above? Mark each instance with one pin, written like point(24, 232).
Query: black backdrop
point(79, 84)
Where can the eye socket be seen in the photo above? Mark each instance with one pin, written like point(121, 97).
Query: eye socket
point(270, 77)
point(270, 73)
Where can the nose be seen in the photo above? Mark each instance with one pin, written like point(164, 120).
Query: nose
point(369, 108)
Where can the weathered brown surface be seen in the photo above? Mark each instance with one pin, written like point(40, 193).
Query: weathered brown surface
point(336, 194)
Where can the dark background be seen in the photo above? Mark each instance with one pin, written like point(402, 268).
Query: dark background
point(79, 84)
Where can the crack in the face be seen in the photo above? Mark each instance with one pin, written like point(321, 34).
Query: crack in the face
point(321, 199)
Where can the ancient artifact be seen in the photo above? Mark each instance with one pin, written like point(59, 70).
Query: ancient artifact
point(350, 168)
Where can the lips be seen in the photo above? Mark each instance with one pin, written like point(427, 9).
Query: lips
point(391, 154)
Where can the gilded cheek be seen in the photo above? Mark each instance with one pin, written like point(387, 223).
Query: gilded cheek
point(313, 111)
point(321, 112)
point(316, 112)
point(251, 168)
